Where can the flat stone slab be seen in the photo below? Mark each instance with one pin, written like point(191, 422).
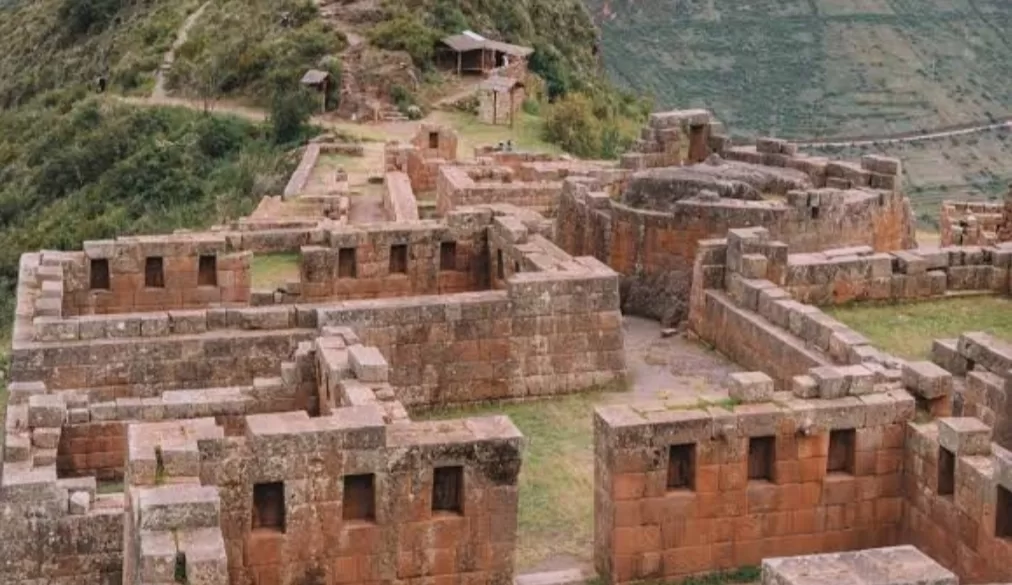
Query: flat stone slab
point(898, 565)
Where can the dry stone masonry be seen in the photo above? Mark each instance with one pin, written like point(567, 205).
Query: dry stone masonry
point(168, 422)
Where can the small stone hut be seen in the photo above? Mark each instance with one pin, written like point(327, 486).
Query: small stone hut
point(499, 99)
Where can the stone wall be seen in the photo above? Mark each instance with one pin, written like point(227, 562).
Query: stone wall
point(954, 478)
point(398, 198)
point(398, 259)
point(142, 273)
point(984, 364)
point(460, 186)
point(973, 223)
point(432, 147)
point(358, 494)
point(651, 236)
point(682, 489)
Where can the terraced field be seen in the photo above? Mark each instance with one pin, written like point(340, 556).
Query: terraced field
point(816, 68)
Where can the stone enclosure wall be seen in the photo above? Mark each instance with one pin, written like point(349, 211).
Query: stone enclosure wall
point(681, 490)
point(965, 223)
point(147, 273)
point(650, 236)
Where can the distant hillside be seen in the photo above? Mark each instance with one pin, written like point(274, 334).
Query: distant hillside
point(812, 68)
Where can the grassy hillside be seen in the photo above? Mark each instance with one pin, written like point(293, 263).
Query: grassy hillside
point(49, 44)
point(73, 169)
point(808, 68)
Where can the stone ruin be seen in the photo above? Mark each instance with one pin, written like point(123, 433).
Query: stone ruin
point(170, 423)
point(966, 223)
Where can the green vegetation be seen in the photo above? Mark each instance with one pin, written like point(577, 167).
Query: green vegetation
point(50, 44)
point(589, 118)
point(247, 48)
point(807, 68)
point(73, 169)
point(272, 271)
point(907, 330)
point(556, 514)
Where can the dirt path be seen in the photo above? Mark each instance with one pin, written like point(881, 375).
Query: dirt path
point(909, 137)
point(159, 91)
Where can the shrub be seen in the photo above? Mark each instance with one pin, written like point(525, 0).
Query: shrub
point(290, 113)
point(80, 17)
point(408, 34)
point(571, 124)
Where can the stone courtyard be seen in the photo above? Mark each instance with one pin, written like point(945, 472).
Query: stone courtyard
point(170, 422)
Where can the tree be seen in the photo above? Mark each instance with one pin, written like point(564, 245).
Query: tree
point(571, 124)
point(290, 113)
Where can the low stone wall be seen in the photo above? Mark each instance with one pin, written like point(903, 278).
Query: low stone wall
point(682, 489)
point(455, 187)
point(140, 273)
point(973, 223)
point(857, 273)
point(954, 478)
point(986, 394)
point(398, 259)
point(398, 198)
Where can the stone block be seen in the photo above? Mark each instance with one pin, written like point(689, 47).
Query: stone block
point(753, 266)
point(805, 387)
point(20, 392)
point(46, 410)
point(174, 507)
point(45, 437)
point(927, 380)
point(80, 503)
point(368, 364)
point(831, 381)
point(964, 436)
point(945, 354)
point(749, 387)
point(859, 379)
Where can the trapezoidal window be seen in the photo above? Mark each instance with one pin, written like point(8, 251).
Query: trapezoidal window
point(398, 259)
point(359, 497)
point(269, 506)
point(946, 472)
point(433, 139)
point(682, 467)
point(207, 271)
point(448, 489)
point(347, 266)
point(448, 256)
point(1003, 514)
point(841, 451)
point(98, 275)
point(154, 272)
point(762, 455)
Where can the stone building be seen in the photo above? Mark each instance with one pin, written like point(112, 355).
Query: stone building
point(499, 100)
point(170, 423)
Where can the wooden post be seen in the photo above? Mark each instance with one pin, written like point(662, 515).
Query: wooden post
point(459, 63)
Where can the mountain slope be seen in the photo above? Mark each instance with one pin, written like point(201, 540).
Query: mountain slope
point(814, 68)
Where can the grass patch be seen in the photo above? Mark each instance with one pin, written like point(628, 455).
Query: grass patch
point(906, 330)
point(109, 487)
point(272, 271)
point(556, 515)
point(526, 133)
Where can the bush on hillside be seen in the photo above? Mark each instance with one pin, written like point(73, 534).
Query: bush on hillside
point(80, 17)
point(406, 33)
point(571, 124)
point(291, 108)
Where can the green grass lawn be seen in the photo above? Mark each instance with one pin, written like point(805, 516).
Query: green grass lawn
point(556, 516)
point(272, 271)
point(907, 330)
